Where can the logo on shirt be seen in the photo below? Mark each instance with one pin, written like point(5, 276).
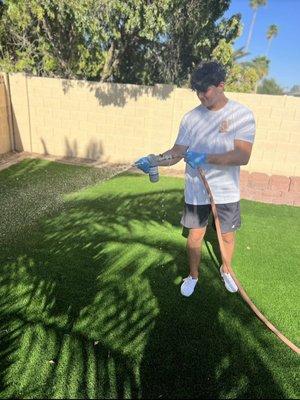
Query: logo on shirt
point(224, 126)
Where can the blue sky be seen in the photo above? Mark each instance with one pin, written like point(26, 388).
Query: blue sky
point(285, 48)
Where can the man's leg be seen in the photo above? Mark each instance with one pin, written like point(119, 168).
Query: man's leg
point(230, 220)
point(194, 242)
point(229, 241)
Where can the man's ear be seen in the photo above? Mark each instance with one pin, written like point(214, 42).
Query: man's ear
point(221, 85)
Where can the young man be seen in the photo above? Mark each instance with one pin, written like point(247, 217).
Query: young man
point(216, 136)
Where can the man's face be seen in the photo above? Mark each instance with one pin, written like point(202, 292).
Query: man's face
point(211, 95)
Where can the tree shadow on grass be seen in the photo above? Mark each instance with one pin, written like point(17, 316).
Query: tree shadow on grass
point(91, 308)
point(202, 353)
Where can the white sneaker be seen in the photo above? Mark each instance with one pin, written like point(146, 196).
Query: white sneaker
point(229, 282)
point(188, 286)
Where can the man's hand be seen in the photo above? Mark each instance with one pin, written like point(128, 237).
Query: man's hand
point(195, 159)
point(145, 163)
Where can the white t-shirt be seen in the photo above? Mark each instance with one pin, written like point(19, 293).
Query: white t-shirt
point(214, 132)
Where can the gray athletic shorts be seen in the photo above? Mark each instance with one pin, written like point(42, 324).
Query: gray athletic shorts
point(196, 216)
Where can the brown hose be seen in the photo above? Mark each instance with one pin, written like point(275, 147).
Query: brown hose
point(244, 295)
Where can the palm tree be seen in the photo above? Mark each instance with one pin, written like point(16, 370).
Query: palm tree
point(254, 4)
point(271, 33)
point(261, 64)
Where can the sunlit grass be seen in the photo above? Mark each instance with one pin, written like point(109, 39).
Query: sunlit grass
point(90, 303)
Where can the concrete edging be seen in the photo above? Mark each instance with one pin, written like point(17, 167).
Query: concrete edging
point(275, 189)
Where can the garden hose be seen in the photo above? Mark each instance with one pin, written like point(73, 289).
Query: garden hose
point(242, 292)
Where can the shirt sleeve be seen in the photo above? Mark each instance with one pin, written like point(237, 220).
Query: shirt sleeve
point(245, 126)
point(183, 137)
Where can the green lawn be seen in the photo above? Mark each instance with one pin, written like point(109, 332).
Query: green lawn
point(90, 305)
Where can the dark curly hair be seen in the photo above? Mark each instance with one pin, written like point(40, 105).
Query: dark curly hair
point(209, 73)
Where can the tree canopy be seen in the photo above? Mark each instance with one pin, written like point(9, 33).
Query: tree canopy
point(133, 41)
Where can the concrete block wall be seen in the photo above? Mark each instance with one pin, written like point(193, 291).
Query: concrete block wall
point(277, 143)
point(119, 123)
point(110, 122)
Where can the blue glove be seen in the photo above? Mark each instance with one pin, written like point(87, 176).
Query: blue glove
point(195, 159)
point(145, 163)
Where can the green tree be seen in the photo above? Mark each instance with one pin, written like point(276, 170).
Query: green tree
point(254, 4)
point(132, 29)
point(51, 38)
point(224, 54)
point(271, 33)
point(133, 41)
point(242, 78)
point(85, 39)
point(261, 65)
point(195, 28)
point(269, 86)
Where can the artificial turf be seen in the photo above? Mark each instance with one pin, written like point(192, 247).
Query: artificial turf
point(90, 304)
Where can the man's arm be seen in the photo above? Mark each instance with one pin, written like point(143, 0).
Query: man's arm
point(238, 156)
point(176, 154)
point(169, 157)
